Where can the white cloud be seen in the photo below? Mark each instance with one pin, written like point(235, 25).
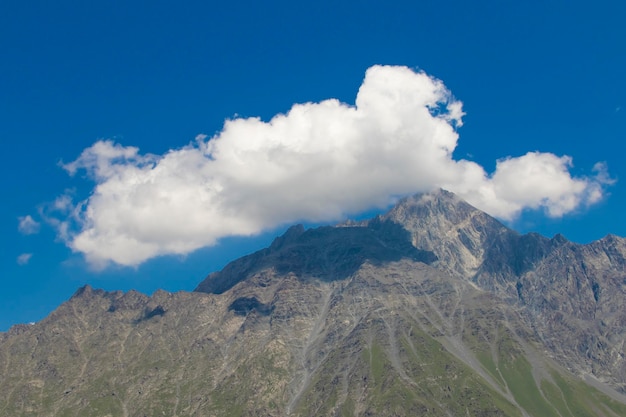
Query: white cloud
point(24, 258)
point(27, 225)
point(318, 162)
point(535, 181)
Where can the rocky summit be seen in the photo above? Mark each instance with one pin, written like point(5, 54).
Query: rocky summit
point(434, 309)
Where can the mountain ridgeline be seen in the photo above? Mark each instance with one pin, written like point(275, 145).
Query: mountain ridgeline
point(434, 308)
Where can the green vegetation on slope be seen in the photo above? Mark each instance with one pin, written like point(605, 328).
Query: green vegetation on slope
point(416, 377)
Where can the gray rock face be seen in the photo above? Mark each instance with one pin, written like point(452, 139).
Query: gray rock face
point(468, 242)
point(434, 308)
point(575, 298)
point(327, 253)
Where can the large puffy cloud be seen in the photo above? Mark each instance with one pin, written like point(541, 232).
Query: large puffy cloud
point(318, 162)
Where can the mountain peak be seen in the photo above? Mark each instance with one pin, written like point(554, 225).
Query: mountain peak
point(445, 224)
point(436, 226)
point(437, 203)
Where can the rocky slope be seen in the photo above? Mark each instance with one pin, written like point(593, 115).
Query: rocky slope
point(433, 309)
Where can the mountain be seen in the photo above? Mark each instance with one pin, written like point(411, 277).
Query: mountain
point(434, 308)
point(571, 295)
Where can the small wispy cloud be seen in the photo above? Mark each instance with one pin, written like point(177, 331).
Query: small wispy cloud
point(27, 225)
point(24, 258)
point(318, 162)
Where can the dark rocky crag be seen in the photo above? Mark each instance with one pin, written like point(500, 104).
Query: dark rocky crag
point(434, 308)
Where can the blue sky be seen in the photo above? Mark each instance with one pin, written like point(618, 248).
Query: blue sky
point(545, 77)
